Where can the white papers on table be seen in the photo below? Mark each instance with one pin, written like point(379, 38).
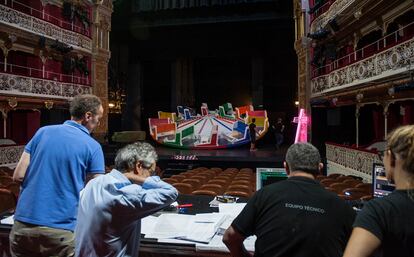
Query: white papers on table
point(170, 226)
point(197, 228)
point(8, 221)
point(216, 244)
point(231, 210)
point(204, 227)
point(148, 224)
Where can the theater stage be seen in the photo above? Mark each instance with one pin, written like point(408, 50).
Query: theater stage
point(176, 160)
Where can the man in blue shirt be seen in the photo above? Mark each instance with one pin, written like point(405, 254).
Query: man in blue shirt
point(111, 206)
point(53, 169)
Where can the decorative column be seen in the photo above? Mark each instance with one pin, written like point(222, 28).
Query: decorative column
point(102, 11)
point(4, 115)
point(43, 59)
point(386, 119)
point(302, 51)
point(5, 53)
point(357, 113)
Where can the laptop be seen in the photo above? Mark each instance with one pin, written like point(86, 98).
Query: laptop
point(267, 176)
point(380, 185)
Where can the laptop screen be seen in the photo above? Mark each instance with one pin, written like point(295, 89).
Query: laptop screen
point(381, 186)
point(267, 176)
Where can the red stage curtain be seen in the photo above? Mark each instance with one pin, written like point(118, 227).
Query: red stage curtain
point(378, 120)
point(22, 125)
point(33, 124)
point(408, 117)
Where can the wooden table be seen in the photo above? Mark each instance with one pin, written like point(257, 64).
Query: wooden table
point(150, 247)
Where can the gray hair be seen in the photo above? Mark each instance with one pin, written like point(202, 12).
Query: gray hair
point(82, 104)
point(303, 157)
point(128, 156)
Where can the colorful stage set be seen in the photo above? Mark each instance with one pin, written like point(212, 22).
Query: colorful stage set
point(218, 129)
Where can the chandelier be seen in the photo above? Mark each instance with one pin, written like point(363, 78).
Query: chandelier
point(116, 99)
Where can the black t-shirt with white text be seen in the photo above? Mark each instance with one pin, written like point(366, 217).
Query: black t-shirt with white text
point(391, 220)
point(296, 217)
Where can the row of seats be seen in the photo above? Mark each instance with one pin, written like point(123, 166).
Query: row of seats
point(347, 187)
point(9, 190)
point(214, 181)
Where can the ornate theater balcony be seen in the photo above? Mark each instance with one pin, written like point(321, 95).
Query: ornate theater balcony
point(66, 33)
point(319, 10)
point(388, 57)
point(10, 155)
point(333, 9)
point(28, 85)
point(350, 160)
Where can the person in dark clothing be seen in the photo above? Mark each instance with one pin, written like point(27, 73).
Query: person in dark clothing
point(278, 130)
point(252, 132)
point(296, 217)
point(387, 223)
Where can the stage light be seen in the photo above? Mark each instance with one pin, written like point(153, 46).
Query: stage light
point(297, 103)
point(111, 105)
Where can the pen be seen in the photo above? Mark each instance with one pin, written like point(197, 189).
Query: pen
point(185, 205)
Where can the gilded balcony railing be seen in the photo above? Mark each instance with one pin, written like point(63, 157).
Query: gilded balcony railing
point(43, 74)
point(29, 86)
point(389, 62)
point(40, 27)
point(336, 8)
point(10, 154)
point(350, 161)
point(41, 14)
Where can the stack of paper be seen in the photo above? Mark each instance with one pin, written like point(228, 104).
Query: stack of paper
point(8, 221)
point(231, 210)
point(196, 228)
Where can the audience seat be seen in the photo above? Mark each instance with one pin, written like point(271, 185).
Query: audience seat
point(239, 188)
point(5, 180)
point(194, 182)
point(366, 186)
point(242, 182)
point(218, 189)
point(339, 187)
point(170, 180)
point(327, 182)
point(221, 182)
point(343, 178)
point(204, 192)
point(246, 170)
point(178, 177)
point(321, 177)
point(234, 170)
point(354, 193)
point(334, 175)
point(202, 178)
point(237, 193)
point(184, 188)
point(14, 188)
point(351, 182)
point(7, 200)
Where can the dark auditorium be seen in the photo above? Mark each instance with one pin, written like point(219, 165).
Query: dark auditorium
point(207, 128)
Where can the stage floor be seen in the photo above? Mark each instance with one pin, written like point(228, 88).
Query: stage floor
point(265, 156)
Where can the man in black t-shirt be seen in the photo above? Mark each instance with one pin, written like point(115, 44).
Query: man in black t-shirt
point(295, 217)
